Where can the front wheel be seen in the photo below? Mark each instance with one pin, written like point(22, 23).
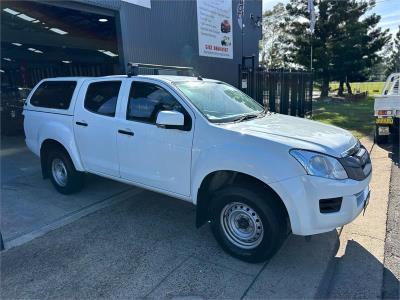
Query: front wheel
point(247, 224)
point(65, 178)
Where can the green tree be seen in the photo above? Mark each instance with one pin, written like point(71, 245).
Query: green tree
point(393, 64)
point(321, 40)
point(358, 42)
point(346, 41)
point(274, 50)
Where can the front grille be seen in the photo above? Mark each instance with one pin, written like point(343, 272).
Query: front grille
point(330, 205)
point(357, 165)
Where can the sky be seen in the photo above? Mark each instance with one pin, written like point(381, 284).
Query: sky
point(389, 10)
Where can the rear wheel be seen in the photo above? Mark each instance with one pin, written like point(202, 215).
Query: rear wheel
point(247, 223)
point(65, 178)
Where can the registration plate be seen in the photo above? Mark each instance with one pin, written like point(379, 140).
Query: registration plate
point(384, 121)
point(383, 130)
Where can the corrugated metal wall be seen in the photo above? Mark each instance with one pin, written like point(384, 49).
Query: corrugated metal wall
point(167, 34)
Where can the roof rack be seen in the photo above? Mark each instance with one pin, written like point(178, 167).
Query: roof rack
point(150, 69)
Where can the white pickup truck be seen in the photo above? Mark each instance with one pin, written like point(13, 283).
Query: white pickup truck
point(254, 176)
point(387, 110)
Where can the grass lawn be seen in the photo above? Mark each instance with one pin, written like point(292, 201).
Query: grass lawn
point(358, 87)
point(356, 116)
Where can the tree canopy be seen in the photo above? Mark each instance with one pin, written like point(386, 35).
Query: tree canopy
point(393, 64)
point(346, 42)
point(274, 50)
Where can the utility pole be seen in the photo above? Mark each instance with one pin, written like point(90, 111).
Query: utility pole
point(311, 11)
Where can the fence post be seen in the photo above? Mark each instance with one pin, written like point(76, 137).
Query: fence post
point(293, 95)
point(240, 77)
point(272, 88)
point(285, 94)
point(311, 93)
point(301, 96)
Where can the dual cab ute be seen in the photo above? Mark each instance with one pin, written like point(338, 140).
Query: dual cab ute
point(253, 175)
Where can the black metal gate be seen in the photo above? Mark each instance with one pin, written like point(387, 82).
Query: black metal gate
point(285, 92)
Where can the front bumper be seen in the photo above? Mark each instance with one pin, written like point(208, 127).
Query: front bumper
point(302, 194)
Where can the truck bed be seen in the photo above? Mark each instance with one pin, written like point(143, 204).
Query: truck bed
point(386, 103)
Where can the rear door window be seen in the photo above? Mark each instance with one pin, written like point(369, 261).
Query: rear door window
point(54, 94)
point(101, 97)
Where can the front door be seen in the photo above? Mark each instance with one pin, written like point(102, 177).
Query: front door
point(96, 127)
point(150, 155)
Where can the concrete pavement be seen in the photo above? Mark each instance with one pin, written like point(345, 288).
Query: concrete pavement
point(391, 275)
point(361, 252)
point(147, 246)
point(30, 204)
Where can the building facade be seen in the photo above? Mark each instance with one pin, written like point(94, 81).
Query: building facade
point(46, 38)
point(72, 34)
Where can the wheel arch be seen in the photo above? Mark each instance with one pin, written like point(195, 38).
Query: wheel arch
point(218, 179)
point(46, 146)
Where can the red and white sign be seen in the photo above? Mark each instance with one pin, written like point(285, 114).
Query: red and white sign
point(214, 24)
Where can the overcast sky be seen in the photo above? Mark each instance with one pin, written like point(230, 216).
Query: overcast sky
point(388, 9)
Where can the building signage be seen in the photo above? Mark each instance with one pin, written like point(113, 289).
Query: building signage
point(214, 25)
point(144, 3)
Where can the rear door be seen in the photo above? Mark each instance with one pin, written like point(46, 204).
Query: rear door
point(96, 127)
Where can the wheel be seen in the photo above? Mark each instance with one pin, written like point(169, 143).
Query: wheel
point(380, 139)
point(247, 223)
point(63, 175)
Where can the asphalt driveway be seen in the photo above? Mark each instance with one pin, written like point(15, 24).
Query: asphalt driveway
point(29, 203)
point(146, 246)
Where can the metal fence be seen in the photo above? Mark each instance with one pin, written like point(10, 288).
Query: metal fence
point(285, 92)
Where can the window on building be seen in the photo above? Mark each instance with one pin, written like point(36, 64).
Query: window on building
point(54, 94)
point(101, 97)
point(146, 100)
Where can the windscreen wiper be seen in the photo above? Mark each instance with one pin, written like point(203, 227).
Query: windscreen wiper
point(245, 117)
point(264, 112)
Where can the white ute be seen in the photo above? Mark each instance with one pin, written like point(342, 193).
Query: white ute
point(253, 175)
point(387, 110)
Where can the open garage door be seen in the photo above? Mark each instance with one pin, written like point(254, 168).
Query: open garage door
point(42, 40)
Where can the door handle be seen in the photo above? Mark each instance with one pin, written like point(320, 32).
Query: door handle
point(81, 123)
point(127, 132)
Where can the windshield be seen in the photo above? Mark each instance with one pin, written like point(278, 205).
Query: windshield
point(220, 102)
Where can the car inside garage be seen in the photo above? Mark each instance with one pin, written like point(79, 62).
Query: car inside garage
point(51, 39)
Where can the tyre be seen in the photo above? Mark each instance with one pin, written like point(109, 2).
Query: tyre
point(247, 223)
point(380, 139)
point(63, 175)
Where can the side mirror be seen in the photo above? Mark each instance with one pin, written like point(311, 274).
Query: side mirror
point(170, 119)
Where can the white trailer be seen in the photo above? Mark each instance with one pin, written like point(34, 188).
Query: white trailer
point(387, 109)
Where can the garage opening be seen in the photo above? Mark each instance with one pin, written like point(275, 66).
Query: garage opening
point(42, 40)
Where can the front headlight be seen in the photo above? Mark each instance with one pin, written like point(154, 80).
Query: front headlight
point(318, 164)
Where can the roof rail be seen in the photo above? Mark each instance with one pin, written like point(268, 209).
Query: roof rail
point(150, 69)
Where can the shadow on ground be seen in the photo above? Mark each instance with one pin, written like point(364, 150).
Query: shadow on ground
point(359, 267)
point(393, 149)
